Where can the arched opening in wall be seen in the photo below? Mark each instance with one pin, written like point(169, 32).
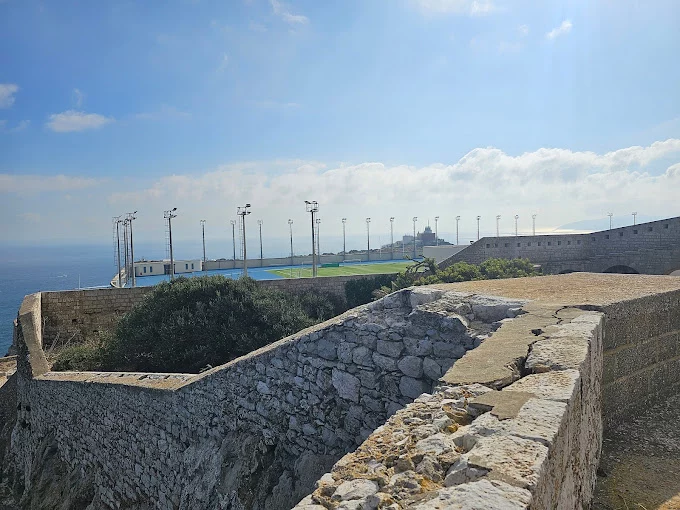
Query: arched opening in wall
point(621, 270)
point(567, 271)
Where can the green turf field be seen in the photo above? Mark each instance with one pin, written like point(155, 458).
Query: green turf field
point(353, 269)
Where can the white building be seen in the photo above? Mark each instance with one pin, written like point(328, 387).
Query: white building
point(156, 267)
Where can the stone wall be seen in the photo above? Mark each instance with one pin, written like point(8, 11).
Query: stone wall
point(254, 433)
point(527, 439)
point(649, 248)
point(75, 315)
point(641, 354)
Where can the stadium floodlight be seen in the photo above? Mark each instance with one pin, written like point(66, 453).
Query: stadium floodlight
point(203, 232)
point(243, 212)
point(478, 218)
point(392, 236)
point(457, 220)
point(436, 231)
point(259, 223)
point(344, 245)
point(415, 253)
point(118, 220)
point(318, 238)
point(634, 218)
point(312, 207)
point(169, 215)
point(130, 217)
point(533, 219)
point(516, 218)
point(610, 219)
point(368, 239)
point(233, 239)
point(290, 227)
point(498, 228)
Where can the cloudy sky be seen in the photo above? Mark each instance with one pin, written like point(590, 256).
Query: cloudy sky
point(374, 108)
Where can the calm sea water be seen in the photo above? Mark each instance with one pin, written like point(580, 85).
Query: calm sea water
point(24, 270)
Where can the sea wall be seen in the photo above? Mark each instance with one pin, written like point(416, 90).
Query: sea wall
point(521, 429)
point(254, 433)
point(76, 315)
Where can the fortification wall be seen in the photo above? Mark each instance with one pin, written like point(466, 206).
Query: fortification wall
point(385, 255)
point(649, 248)
point(75, 315)
point(255, 432)
point(641, 354)
point(519, 430)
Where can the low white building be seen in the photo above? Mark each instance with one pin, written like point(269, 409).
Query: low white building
point(160, 267)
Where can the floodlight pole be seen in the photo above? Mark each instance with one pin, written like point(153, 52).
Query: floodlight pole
point(344, 244)
point(130, 217)
point(290, 226)
point(118, 220)
point(125, 250)
point(498, 228)
point(233, 238)
point(392, 237)
point(436, 231)
point(415, 251)
point(516, 218)
point(168, 215)
point(634, 218)
point(203, 230)
point(312, 207)
point(478, 218)
point(368, 239)
point(533, 218)
point(610, 219)
point(243, 212)
point(457, 220)
point(259, 223)
point(318, 238)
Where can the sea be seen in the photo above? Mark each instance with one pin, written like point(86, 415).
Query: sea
point(28, 269)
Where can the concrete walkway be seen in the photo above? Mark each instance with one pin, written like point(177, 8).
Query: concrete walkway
point(640, 466)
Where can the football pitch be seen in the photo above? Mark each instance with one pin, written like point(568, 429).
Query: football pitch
point(348, 270)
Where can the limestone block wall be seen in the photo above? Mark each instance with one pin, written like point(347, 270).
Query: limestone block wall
point(76, 315)
point(650, 248)
point(641, 354)
point(253, 433)
point(529, 440)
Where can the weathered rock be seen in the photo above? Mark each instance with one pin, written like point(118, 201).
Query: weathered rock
point(346, 385)
point(411, 366)
point(355, 489)
point(411, 387)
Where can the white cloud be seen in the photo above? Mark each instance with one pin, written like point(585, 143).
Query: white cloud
point(77, 98)
point(7, 91)
point(470, 7)
point(73, 120)
point(43, 183)
point(559, 184)
point(284, 13)
point(523, 30)
point(563, 29)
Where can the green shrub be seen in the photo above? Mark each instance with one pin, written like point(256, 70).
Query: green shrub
point(359, 292)
point(187, 324)
point(79, 358)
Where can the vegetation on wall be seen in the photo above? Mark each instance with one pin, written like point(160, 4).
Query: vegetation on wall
point(191, 323)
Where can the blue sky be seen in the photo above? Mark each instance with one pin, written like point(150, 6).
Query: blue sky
point(374, 107)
